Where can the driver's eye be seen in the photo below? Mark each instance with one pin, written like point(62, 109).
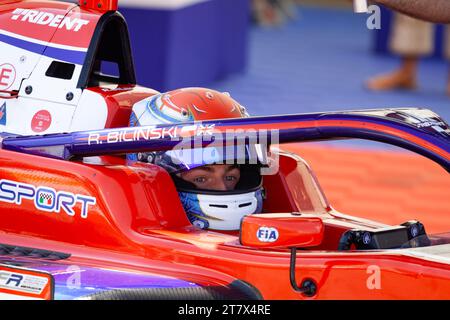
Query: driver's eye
point(230, 178)
point(200, 180)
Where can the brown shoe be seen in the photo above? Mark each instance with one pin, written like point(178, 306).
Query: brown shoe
point(392, 81)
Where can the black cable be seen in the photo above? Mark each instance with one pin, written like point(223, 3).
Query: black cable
point(292, 272)
point(308, 287)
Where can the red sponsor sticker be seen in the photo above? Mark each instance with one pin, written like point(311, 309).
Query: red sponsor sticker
point(41, 121)
point(7, 76)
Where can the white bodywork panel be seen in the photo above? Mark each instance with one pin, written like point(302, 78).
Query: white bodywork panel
point(91, 112)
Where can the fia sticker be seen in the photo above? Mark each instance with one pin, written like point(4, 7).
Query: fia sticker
point(3, 114)
point(41, 121)
point(7, 76)
point(267, 234)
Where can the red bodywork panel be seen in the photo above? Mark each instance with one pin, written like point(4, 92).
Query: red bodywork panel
point(137, 216)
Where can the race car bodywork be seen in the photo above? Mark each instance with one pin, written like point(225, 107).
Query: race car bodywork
point(82, 221)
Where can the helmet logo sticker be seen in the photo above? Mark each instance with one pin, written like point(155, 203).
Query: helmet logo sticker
point(267, 234)
point(41, 121)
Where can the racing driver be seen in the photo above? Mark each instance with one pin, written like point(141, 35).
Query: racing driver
point(214, 191)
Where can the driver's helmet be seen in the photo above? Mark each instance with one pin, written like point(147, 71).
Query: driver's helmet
point(206, 209)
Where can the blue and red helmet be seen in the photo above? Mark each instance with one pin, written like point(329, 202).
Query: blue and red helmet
point(207, 209)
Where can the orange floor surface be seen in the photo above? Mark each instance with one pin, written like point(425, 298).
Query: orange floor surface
point(382, 185)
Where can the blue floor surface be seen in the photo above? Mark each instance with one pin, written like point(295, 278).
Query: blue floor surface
point(319, 63)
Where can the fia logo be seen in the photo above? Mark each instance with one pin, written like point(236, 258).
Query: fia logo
point(267, 234)
point(3, 114)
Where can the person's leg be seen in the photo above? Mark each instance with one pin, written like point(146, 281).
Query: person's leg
point(405, 77)
point(410, 39)
point(264, 13)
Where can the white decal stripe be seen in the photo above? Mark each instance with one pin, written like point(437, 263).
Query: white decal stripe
point(44, 43)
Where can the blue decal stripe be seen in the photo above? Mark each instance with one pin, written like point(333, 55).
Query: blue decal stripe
point(76, 57)
point(72, 56)
point(27, 45)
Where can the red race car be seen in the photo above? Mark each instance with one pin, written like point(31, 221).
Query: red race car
point(81, 220)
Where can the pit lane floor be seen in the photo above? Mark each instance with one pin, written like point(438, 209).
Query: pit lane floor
point(319, 63)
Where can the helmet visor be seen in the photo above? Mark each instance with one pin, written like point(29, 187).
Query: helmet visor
point(183, 159)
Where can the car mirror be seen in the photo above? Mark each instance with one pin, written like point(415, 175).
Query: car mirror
point(281, 230)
